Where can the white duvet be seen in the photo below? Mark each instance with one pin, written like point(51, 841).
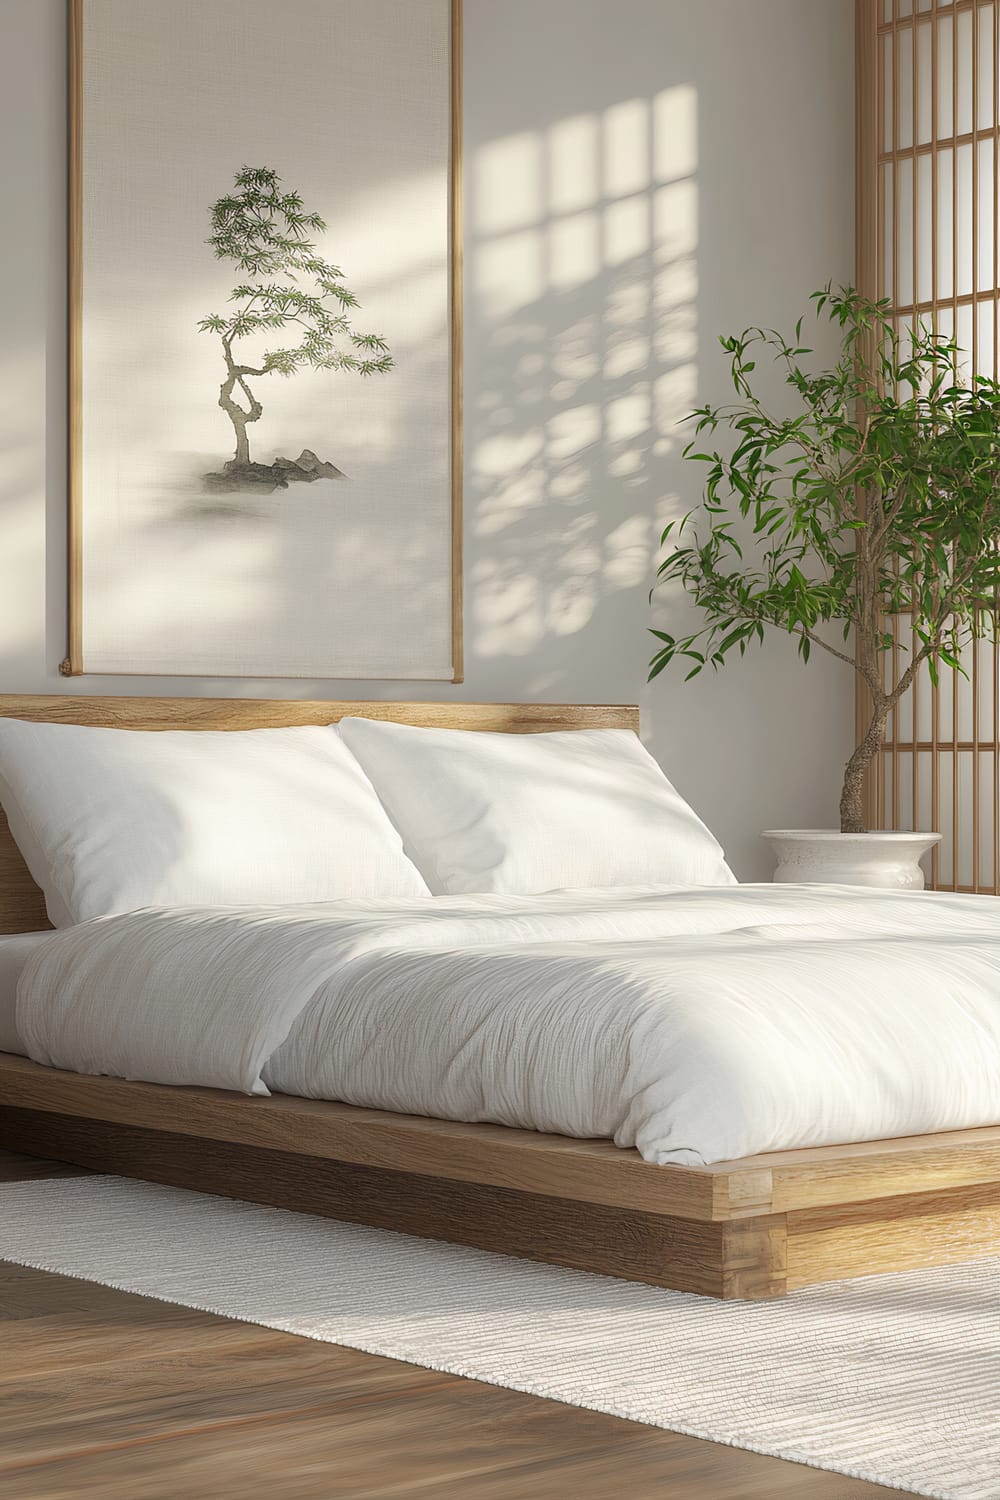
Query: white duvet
point(698, 1025)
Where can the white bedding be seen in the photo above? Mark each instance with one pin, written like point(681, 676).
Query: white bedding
point(15, 950)
point(698, 1024)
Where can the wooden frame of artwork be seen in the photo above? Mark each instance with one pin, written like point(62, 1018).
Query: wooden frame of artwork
point(755, 1228)
point(77, 661)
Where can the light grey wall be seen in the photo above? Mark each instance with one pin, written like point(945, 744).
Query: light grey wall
point(641, 175)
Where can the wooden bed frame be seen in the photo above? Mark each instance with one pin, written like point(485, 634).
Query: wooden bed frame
point(755, 1228)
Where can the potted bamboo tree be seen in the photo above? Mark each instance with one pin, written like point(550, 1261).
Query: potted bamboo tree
point(874, 492)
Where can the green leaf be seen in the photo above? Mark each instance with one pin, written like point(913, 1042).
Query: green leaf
point(285, 284)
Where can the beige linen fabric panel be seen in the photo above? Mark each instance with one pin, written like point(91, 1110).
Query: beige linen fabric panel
point(348, 100)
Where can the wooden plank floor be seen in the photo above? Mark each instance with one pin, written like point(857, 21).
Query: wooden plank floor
point(106, 1394)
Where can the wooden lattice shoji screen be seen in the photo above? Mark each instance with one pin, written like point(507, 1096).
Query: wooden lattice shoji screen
point(928, 210)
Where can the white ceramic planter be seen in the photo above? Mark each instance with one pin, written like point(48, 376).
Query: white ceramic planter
point(821, 856)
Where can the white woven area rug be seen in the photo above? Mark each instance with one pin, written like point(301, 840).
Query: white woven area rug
point(895, 1379)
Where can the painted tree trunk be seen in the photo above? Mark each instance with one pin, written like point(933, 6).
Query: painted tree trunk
point(240, 416)
point(242, 441)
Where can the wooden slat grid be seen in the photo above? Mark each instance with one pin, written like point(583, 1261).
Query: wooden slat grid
point(929, 195)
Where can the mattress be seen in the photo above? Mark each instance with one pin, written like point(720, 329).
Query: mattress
point(697, 1025)
point(14, 954)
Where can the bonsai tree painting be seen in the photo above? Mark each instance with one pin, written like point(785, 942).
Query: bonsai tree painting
point(876, 494)
point(288, 291)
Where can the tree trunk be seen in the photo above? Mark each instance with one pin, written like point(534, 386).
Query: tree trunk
point(238, 415)
point(852, 819)
point(242, 441)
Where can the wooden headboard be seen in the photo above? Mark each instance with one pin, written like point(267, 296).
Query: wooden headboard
point(21, 906)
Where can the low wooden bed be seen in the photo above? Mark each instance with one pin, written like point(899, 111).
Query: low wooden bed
point(755, 1228)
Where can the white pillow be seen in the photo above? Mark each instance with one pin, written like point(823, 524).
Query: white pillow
point(520, 813)
point(110, 820)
